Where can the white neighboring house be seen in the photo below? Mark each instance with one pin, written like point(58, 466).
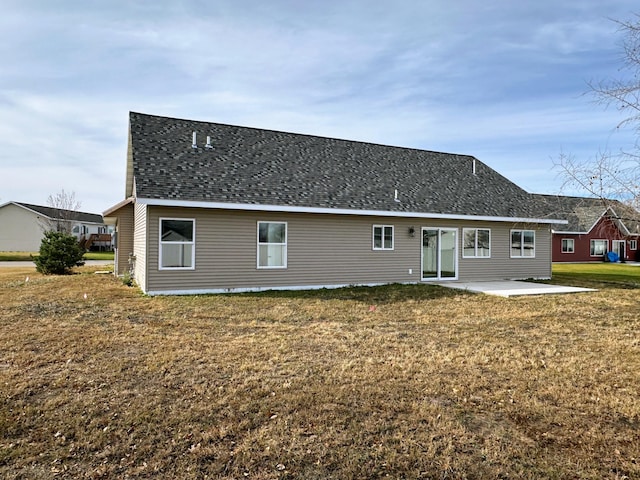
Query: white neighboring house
point(22, 226)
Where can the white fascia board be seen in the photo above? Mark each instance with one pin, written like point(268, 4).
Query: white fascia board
point(83, 222)
point(597, 221)
point(618, 221)
point(109, 211)
point(339, 211)
point(562, 232)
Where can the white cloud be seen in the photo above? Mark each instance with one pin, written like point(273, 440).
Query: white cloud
point(498, 79)
point(54, 143)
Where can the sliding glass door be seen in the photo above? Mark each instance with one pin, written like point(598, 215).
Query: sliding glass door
point(439, 253)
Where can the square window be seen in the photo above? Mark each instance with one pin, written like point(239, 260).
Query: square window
point(476, 243)
point(383, 237)
point(523, 244)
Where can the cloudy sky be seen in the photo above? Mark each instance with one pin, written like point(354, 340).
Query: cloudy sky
point(502, 80)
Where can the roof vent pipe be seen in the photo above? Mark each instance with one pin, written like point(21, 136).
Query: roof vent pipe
point(473, 166)
point(208, 145)
point(194, 144)
point(395, 196)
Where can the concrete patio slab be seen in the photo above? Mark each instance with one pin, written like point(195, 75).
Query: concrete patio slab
point(512, 288)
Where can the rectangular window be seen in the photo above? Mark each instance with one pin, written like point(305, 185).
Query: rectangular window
point(599, 248)
point(272, 245)
point(383, 237)
point(523, 244)
point(568, 245)
point(633, 245)
point(177, 244)
point(476, 243)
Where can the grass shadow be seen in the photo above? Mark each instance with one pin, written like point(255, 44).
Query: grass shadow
point(382, 294)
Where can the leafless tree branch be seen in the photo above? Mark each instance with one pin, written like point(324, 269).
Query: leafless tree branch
point(65, 207)
point(613, 175)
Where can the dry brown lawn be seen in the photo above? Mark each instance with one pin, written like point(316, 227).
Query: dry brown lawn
point(393, 382)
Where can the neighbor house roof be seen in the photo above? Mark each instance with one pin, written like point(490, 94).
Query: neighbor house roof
point(61, 214)
point(583, 213)
point(256, 169)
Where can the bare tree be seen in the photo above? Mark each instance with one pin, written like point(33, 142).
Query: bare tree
point(64, 210)
point(615, 175)
point(64, 201)
point(606, 176)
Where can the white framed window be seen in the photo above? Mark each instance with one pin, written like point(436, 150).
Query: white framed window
point(383, 237)
point(568, 245)
point(633, 244)
point(476, 243)
point(177, 243)
point(272, 244)
point(598, 247)
point(523, 244)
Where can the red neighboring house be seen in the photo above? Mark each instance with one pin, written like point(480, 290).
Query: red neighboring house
point(596, 227)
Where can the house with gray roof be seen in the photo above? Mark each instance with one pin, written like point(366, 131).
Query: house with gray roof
point(211, 208)
point(24, 224)
point(595, 227)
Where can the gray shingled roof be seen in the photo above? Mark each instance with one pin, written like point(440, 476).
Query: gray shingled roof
point(57, 213)
point(582, 213)
point(265, 167)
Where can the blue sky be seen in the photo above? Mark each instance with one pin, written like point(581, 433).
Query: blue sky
point(504, 81)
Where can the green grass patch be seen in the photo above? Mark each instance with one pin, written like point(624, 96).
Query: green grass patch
point(26, 256)
point(16, 256)
point(598, 275)
point(98, 256)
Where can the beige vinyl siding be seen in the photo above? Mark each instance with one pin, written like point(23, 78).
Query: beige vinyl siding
point(500, 265)
point(21, 230)
point(141, 245)
point(124, 248)
point(322, 250)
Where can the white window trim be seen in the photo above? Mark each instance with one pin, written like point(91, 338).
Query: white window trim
point(373, 237)
point(286, 246)
point(606, 247)
point(511, 255)
point(475, 246)
point(573, 246)
point(633, 244)
point(192, 243)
